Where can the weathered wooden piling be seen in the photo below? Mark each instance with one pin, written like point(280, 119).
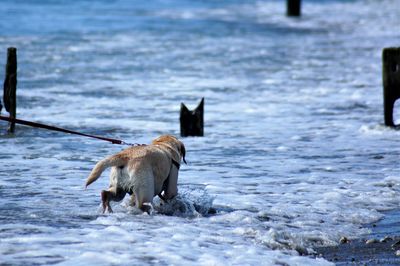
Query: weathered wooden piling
point(192, 122)
point(10, 86)
point(293, 8)
point(391, 82)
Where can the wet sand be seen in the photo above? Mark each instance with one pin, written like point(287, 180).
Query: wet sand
point(357, 252)
point(378, 248)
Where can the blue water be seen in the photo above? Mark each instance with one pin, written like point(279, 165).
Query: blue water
point(295, 154)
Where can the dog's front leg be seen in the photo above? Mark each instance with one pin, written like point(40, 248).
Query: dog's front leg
point(164, 188)
point(171, 186)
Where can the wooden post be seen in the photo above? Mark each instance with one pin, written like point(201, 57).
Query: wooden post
point(391, 82)
point(293, 8)
point(10, 86)
point(192, 122)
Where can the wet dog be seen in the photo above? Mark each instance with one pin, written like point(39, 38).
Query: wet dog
point(143, 171)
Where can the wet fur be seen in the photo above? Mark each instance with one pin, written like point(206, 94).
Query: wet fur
point(143, 172)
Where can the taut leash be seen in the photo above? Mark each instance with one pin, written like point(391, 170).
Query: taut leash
point(59, 129)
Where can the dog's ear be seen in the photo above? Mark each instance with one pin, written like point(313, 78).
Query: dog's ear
point(183, 152)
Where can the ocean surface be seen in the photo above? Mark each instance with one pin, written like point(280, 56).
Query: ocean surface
point(295, 154)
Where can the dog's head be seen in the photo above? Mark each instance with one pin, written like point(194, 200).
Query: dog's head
point(172, 143)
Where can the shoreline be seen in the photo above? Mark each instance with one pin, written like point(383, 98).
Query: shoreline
point(377, 248)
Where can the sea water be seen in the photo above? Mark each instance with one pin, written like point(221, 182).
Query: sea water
point(295, 154)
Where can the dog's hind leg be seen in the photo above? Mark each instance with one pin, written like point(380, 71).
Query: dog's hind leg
point(132, 201)
point(147, 207)
point(144, 194)
point(144, 200)
point(105, 199)
point(112, 194)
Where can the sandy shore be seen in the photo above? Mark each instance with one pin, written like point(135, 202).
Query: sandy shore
point(357, 252)
point(378, 248)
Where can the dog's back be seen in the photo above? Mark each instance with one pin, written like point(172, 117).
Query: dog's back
point(135, 160)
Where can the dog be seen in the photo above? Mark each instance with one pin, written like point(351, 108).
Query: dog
point(143, 171)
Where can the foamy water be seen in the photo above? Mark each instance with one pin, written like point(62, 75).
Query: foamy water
point(294, 154)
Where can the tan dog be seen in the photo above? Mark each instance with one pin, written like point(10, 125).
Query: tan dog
point(142, 171)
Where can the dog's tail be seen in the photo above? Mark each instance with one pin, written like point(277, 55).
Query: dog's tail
point(102, 165)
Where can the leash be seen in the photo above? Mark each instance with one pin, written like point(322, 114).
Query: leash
point(59, 129)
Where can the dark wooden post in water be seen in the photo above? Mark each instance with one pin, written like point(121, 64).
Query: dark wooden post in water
point(391, 82)
point(293, 8)
point(10, 86)
point(192, 122)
